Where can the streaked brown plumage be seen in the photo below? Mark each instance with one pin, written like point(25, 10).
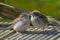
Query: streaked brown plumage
point(39, 20)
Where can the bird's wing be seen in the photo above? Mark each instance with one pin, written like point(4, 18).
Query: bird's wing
point(44, 18)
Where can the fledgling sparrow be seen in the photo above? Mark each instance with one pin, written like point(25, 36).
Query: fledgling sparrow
point(39, 20)
point(21, 23)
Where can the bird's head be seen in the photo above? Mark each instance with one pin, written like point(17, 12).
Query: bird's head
point(35, 13)
point(24, 15)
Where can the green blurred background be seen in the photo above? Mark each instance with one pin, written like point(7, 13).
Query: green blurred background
point(47, 7)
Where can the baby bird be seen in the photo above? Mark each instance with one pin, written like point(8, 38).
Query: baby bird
point(21, 23)
point(39, 20)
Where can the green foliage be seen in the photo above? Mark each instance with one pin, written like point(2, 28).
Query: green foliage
point(48, 7)
point(2, 0)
